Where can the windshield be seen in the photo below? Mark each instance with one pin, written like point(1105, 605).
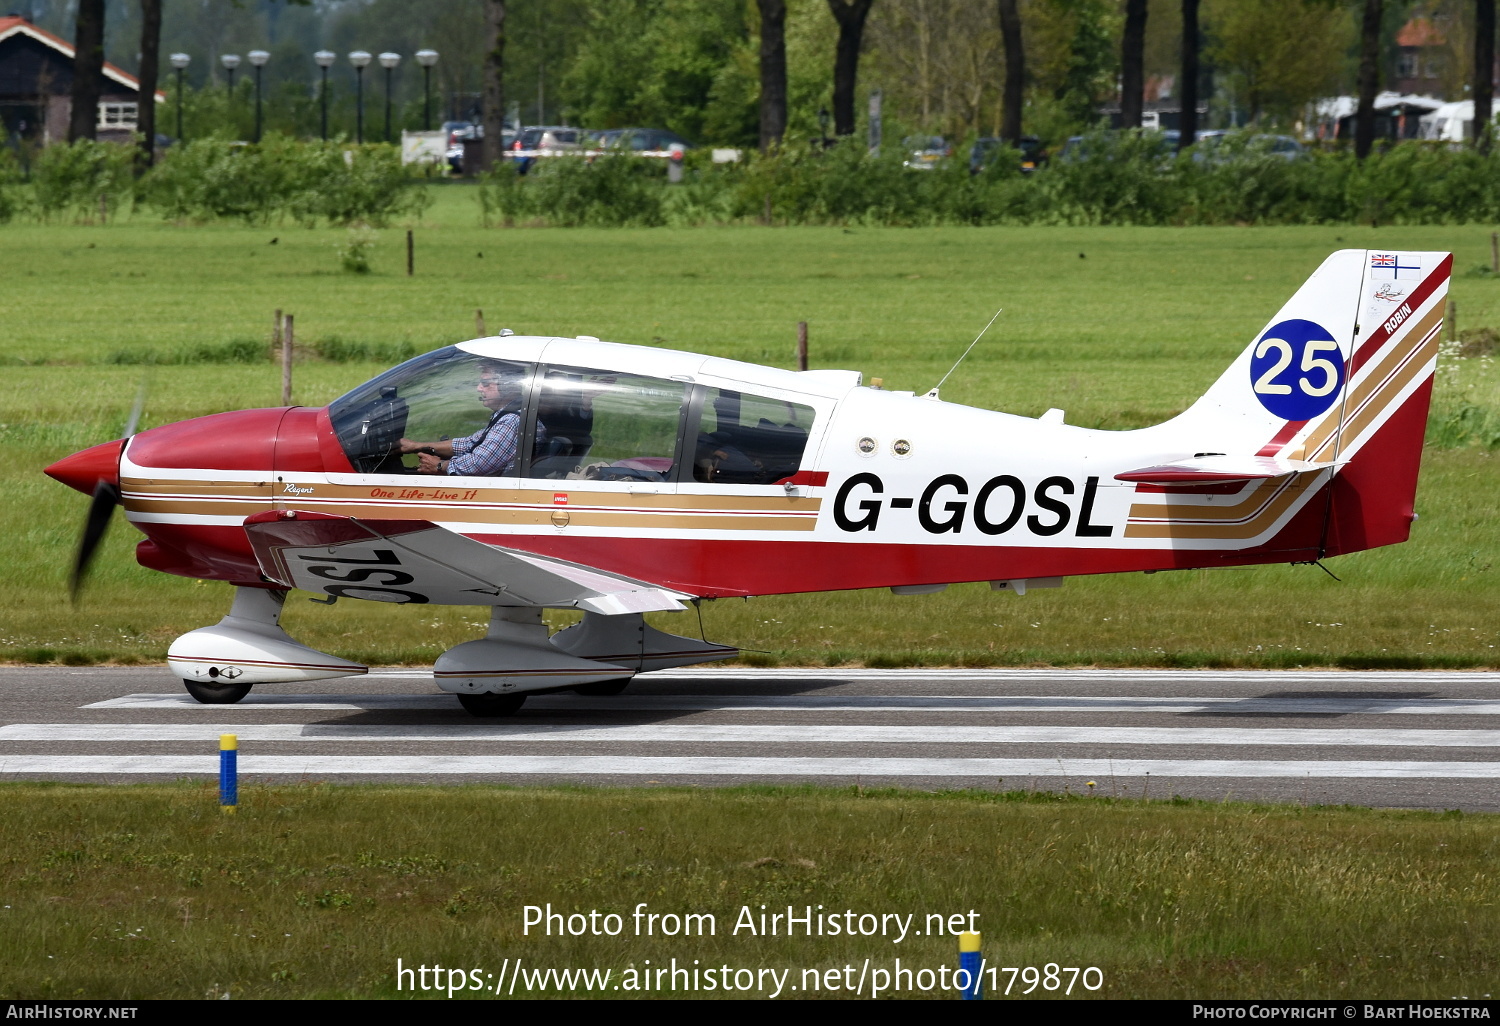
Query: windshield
point(434, 397)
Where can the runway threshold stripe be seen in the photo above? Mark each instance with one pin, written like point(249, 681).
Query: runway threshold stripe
point(752, 733)
point(653, 767)
point(1341, 706)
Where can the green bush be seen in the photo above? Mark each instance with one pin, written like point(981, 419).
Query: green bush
point(312, 182)
point(85, 178)
point(608, 192)
point(10, 178)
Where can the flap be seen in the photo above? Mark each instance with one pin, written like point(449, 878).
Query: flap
point(1218, 468)
point(417, 561)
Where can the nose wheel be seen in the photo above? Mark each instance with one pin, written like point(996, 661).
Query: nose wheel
point(216, 694)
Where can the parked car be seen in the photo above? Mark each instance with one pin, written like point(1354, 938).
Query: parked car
point(461, 132)
point(925, 151)
point(984, 151)
point(454, 134)
point(601, 138)
point(657, 140)
point(548, 139)
point(1211, 145)
point(1077, 147)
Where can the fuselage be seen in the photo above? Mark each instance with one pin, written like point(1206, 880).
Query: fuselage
point(743, 480)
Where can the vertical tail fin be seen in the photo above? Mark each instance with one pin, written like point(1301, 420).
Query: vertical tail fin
point(1342, 376)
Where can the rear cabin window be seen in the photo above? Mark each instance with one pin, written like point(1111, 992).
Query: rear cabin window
point(608, 426)
point(748, 439)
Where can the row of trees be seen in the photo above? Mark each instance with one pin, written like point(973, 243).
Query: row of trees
point(754, 71)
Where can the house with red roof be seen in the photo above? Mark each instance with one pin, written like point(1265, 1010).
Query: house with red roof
point(36, 82)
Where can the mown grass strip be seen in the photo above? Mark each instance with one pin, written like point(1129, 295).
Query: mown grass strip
point(315, 890)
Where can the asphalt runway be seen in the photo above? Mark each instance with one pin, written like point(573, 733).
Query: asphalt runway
point(1389, 739)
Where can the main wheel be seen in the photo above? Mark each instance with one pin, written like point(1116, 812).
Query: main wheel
point(216, 694)
point(602, 687)
point(491, 704)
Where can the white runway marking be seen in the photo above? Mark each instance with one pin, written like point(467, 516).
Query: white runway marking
point(752, 733)
point(1335, 706)
point(605, 765)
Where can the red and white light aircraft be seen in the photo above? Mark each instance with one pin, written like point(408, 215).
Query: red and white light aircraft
point(527, 473)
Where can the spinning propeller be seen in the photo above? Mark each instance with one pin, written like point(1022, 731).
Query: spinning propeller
point(103, 463)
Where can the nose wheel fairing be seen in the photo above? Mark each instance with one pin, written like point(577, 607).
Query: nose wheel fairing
point(249, 647)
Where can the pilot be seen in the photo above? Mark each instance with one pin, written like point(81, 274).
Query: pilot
point(490, 451)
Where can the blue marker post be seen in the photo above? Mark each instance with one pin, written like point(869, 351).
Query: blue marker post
point(969, 960)
point(229, 773)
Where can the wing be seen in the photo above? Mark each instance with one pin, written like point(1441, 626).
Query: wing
point(417, 561)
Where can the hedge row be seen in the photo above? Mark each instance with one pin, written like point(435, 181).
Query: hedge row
point(1125, 179)
point(213, 179)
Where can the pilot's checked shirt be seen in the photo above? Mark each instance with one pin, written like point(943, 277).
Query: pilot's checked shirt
point(491, 451)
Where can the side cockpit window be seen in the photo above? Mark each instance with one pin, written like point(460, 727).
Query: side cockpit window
point(440, 395)
point(749, 439)
point(607, 426)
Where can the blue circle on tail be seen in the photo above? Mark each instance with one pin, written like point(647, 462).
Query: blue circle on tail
point(1297, 369)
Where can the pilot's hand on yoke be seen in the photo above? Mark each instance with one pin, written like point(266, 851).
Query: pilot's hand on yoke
point(443, 448)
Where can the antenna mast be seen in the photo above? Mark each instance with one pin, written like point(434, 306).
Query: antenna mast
point(933, 394)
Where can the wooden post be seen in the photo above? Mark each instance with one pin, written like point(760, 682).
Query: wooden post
point(802, 345)
point(479, 331)
point(286, 361)
point(1452, 318)
point(276, 329)
point(1495, 252)
point(409, 254)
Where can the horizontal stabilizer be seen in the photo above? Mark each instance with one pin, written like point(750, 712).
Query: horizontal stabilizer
point(1220, 469)
point(416, 561)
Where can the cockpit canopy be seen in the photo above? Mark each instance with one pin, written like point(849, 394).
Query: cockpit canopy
point(572, 423)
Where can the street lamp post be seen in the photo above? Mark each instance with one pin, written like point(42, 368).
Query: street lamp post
point(179, 61)
point(360, 59)
point(230, 62)
point(427, 58)
point(258, 58)
point(325, 59)
point(389, 61)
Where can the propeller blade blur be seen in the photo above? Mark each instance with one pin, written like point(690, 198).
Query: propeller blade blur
point(106, 498)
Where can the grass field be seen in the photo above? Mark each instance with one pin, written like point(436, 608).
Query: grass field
point(1121, 327)
point(147, 891)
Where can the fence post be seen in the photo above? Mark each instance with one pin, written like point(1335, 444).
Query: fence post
point(286, 361)
point(410, 255)
point(1495, 252)
point(1451, 316)
point(802, 345)
point(479, 331)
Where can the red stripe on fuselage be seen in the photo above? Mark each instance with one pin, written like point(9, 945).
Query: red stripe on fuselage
point(738, 568)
